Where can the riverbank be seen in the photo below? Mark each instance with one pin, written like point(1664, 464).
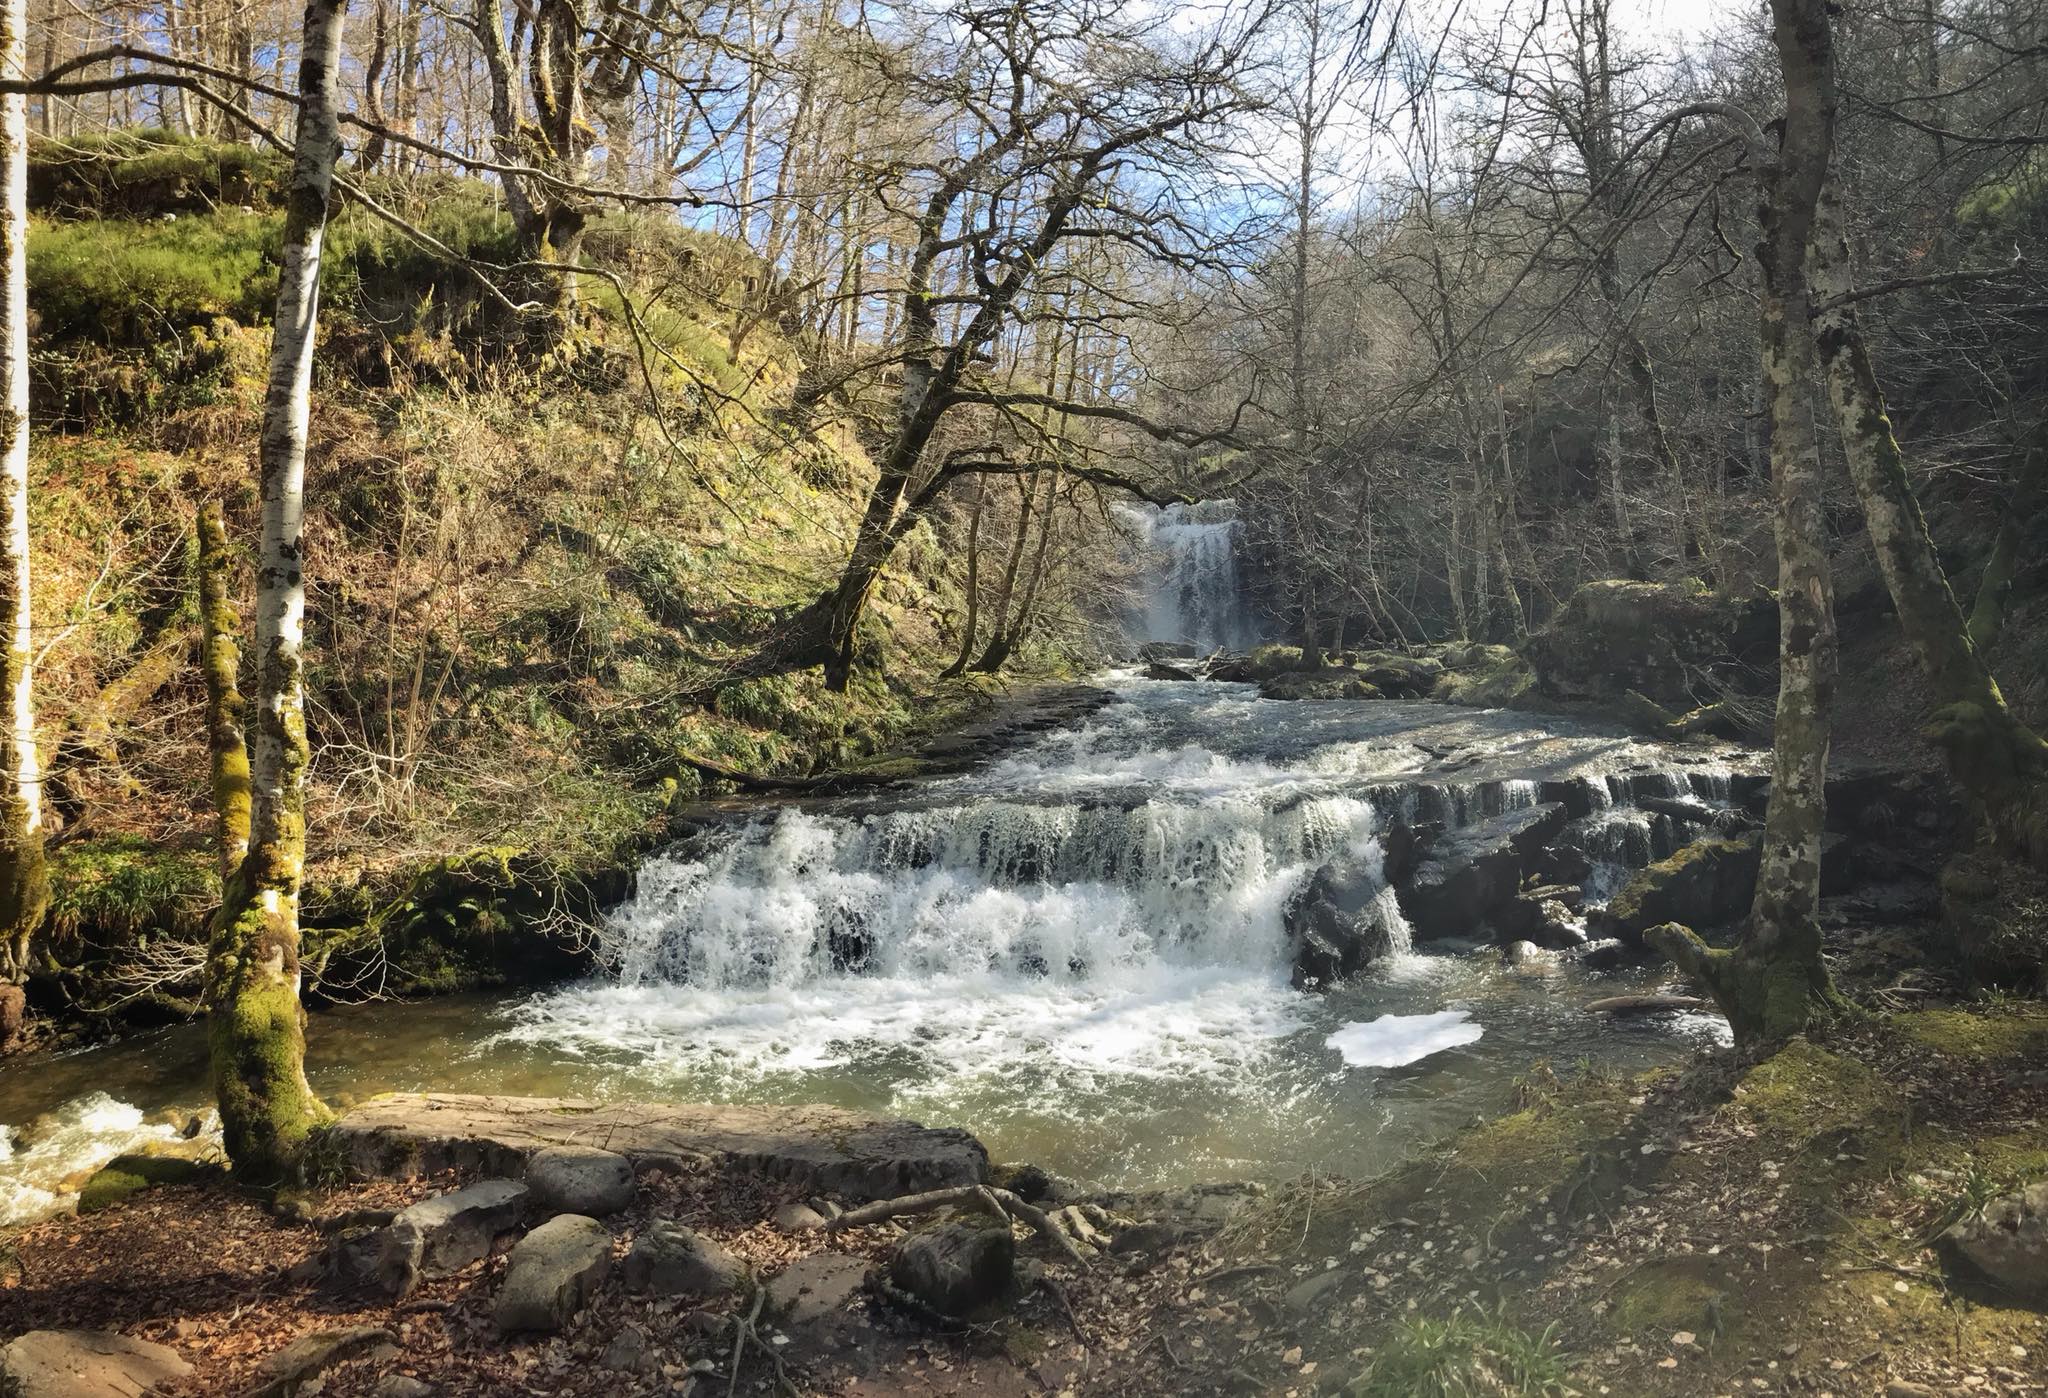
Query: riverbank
point(1728, 1226)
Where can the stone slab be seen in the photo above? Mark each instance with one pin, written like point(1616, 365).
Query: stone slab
point(821, 1149)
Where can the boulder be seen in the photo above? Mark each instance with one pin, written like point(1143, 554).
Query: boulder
point(1400, 676)
point(552, 1274)
point(580, 1180)
point(1162, 670)
point(1602, 955)
point(310, 1357)
point(797, 1218)
point(961, 1269)
point(1483, 677)
point(1705, 884)
point(131, 1174)
point(671, 1260)
point(1616, 636)
point(13, 1014)
point(86, 1364)
point(440, 1236)
point(1334, 925)
point(2006, 1242)
point(1470, 877)
point(627, 1353)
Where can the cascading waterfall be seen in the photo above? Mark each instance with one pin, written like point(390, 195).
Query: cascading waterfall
point(1193, 594)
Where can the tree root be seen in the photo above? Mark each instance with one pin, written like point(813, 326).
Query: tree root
point(997, 1203)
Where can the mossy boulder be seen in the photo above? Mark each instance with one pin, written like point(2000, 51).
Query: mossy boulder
point(1400, 676)
point(1705, 884)
point(1318, 684)
point(1659, 640)
point(1483, 676)
point(127, 1175)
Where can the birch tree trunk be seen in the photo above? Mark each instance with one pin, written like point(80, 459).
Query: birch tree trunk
point(24, 880)
point(256, 1024)
point(1776, 983)
point(1998, 760)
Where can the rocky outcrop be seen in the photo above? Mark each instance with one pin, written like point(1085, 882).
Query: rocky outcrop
point(1399, 676)
point(440, 1236)
point(2006, 1242)
point(1705, 884)
point(1657, 640)
point(825, 1150)
point(957, 1270)
point(86, 1364)
point(1468, 880)
point(580, 1180)
point(552, 1274)
point(1318, 684)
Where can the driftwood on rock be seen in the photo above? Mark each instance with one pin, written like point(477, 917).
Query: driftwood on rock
point(998, 1203)
point(1646, 1004)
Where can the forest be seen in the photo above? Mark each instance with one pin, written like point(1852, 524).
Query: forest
point(1024, 696)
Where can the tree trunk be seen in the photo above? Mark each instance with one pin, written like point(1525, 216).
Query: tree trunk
point(1776, 983)
point(221, 655)
point(1998, 760)
point(970, 623)
point(1994, 589)
point(24, 878)
point(256, 1024)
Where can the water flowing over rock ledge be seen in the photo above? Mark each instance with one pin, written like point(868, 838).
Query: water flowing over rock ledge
point(826, 1149)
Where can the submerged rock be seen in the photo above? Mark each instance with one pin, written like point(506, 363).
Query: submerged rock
point(956, 1270)
point(86, 1364)
point(580, 1180)
point(552, 1274)
point(2006, 1241)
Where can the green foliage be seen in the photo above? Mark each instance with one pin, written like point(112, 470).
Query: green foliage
point(114, 281)
point(148, 170)
point(128, 887)
point(1466, 1356)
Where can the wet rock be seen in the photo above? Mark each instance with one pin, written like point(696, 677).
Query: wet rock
point(797, 1218)
point(313, 1356)
point(671, 1260)
point(580, 1180)
point(1161, 670)
point(815, 1148)
point(1028, 1182)
point(1524, 954)
point(86, 1364)
point(2006, 1241)
point(1470, 878)
point(1705, 884)
point(1335, 925)
point(444, 1234)
point(956, 1270)
point(552, 1274)
point(1602, 955)
point(813, 1291)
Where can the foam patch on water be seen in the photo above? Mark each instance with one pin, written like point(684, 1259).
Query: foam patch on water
point(1390, 1041)
point(81, 1135)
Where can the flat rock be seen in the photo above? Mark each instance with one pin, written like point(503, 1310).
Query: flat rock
point(312, 1356)
point(797, 1218)
point(440, 1236)
point(580, 1180)
point(86, 1364)
point(822, 1149)
point(2006, 1241)
point(671, 1260)
point(814, 1289)
point(552, 1273)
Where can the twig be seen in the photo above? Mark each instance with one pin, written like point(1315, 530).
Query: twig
point(974, 1195)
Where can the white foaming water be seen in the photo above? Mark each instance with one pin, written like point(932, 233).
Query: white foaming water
point(1393, 1041)
point(82, 1135)
point(1193, 595)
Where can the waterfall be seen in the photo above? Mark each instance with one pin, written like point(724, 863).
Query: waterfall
point(1193, 595)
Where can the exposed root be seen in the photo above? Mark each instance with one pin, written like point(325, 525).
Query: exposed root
point(999, 1203)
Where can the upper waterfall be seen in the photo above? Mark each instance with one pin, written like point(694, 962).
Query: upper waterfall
point(1193, 594)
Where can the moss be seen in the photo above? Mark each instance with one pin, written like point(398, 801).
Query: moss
point(127, 1175)
point(1975, 1035)
point(1484, 677)
point(1659, 1297)
point(1703, 884)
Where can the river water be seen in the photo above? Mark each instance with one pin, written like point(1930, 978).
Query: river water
point(1078, 951)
